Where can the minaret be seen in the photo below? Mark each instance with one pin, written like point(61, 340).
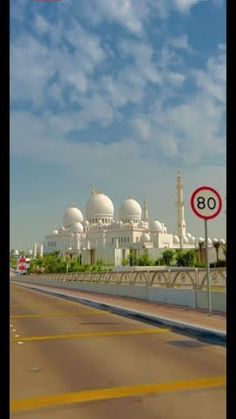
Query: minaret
point(145, 210)
point(35, 250)
point(181, 224)
point(41, 250)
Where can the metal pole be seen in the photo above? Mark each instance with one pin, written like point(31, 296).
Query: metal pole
point(208, 269)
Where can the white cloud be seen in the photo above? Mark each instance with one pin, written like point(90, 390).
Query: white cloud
point(128, 13)
point(179, 42)
point(186, 5)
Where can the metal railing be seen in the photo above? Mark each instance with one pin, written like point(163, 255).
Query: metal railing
point(189, 278)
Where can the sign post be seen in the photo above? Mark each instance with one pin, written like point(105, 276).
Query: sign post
point(206, 203)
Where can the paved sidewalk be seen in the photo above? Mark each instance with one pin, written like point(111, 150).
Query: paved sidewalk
point(166, 312)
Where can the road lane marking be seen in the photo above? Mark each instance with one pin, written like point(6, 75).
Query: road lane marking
point(28, 316)
point(91, 335)
point(115, 393)
point(42, 305)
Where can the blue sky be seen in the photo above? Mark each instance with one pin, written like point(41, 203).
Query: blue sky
point(118, 94)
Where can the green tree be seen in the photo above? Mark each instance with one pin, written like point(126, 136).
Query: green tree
point(168, 257)
point(186, 258)
point(144, 261)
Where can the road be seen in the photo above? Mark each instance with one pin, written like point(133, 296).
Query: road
point(69, 361)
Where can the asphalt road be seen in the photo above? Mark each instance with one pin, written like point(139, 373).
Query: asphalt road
point(69, 361)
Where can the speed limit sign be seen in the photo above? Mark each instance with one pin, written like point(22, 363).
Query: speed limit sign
point(206, 202)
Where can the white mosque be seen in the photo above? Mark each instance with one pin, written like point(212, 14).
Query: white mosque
point(98, 236)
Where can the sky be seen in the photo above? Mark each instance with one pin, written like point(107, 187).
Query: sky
point(116, 94)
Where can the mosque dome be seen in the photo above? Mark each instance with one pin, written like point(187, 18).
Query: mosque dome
point(72, 215)
point(156, 227)
point(77, 228)
point(222, 241)
point(99, 206)
point(130, 210)
point(176, 239)
point(201, 240)
point(62, 229)
point(189, 236)
point(145, 237)
point(55, 231)
point(193, 239)
point(185, 239)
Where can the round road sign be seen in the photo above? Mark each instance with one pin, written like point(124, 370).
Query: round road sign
point(206, 202)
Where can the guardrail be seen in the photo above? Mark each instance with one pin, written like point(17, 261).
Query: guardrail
point(167, 278)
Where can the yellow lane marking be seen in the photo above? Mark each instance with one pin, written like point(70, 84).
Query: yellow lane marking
point(26, 316)
point(52, 302)
point(91, 335)
point(115, 393)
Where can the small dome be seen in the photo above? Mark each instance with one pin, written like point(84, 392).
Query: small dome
point(209, 241)
point(77, 228)
point(222, 241)
point(16, 252)
point(30, 252)
point(99, 206)
point(86, 223)
point(189, 235)
point(156, 227)
point(55, 231)
point(62, 229)
point(130, 210)
point(193, 239)
point(145, 237)
point(176, 239)
point(72, 215)
point(216, 240)
point(201, 240)
point(185, 239)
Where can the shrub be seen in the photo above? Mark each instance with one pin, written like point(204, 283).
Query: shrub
point(186, 258)
point(167, 257)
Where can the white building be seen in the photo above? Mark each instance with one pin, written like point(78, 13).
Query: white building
point(99, 236)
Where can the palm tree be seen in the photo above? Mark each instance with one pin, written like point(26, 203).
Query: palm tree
point(217, 244)
point(200, 244)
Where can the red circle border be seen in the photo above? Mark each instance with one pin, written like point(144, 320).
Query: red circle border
point(209, 189)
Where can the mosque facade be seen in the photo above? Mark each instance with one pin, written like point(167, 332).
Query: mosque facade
point(98, 236)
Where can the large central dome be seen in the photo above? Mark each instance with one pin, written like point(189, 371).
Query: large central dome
point(99, 207)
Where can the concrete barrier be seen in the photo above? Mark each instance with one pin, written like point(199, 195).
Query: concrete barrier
point(135, 291)
point(173, 296)
point(218, 300)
